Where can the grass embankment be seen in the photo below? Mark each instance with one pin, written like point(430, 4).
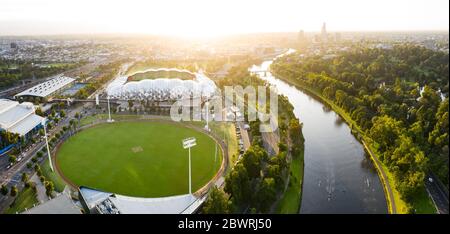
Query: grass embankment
point(227, 132)
point(291, 200)
point(422, 203)
point(53, 176)
point(150, 75)
point(24, 200)
point(93, 118)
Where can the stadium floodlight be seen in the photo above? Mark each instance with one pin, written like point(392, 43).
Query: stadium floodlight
point(97, 100)
point(188, 143)
point(109, 112)
point(46, 142)
point(207, 116)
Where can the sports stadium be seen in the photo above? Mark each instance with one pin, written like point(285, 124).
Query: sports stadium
point(149, 85)
point(140, 166)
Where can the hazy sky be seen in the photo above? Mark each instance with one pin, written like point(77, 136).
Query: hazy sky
point(216, 17)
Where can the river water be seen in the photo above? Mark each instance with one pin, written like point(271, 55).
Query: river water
point(339, 176)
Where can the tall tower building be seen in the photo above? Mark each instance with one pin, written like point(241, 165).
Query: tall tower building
point(324, 35)
point(301, 36)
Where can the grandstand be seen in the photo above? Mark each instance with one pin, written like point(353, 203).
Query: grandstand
point(98, 202)
point(18, 118)
point(47, 89)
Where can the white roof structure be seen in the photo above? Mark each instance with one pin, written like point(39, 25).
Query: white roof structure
point(18, 118)
point(161, 89)
point(108, 203)
point(62, 204)
point(48, 87)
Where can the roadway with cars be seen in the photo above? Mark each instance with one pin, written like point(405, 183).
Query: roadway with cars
point(438, 193)
point(12, 176)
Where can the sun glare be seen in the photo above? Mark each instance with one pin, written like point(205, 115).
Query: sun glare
point(207, 18)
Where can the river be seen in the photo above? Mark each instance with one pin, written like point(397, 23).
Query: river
point(339, 176)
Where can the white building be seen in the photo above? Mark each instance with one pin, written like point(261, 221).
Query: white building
point(47, 88)
point(19, 118)
point(161, 89)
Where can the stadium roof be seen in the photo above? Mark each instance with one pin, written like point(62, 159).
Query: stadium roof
point(61, 204)
point(161, 88)
point(108, 203)
point(48, 87)
point(18, 118)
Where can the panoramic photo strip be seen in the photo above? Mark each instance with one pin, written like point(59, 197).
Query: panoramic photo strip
point(224, 107)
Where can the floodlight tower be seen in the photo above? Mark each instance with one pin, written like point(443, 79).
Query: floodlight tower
point(207, 116)
point(188, 143)
point(46, 142)
point(109, 111)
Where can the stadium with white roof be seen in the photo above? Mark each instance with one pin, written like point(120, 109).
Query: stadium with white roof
point(161, 89)
point(18, 117)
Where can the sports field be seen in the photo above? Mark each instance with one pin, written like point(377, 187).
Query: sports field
point(141, 159)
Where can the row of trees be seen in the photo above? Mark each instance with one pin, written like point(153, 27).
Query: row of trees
point(12, 71)
point(107, 71)
point(394, 96)
point(258, 180)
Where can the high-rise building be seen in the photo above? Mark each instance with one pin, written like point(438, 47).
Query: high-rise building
point(13, 45)
point(324, 35)
point(301, 36)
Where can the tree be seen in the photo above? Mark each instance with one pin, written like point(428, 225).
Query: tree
point(411, 184)
point(14, 191)
point(39, 111)
point(4, 190)
point(252, 161)
point(12, 159)
point(385, 131)
point(407, 157)
point(428, 106)
point(237, 184)
point(49, 188)
point(266, 194)
point(217, 202)
point(25, 177)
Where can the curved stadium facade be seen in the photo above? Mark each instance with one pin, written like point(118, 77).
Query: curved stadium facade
point(161, 89)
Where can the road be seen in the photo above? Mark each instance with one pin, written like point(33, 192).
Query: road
point(438, 193)
point(32, 82)
point(12, 176)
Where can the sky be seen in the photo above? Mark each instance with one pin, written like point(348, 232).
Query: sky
point(204, 18)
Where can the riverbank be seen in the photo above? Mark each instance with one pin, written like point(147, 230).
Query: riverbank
point(291, 201)
point(422, 204)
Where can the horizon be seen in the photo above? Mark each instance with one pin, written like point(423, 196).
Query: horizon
point(206, 19)
point(224, 36)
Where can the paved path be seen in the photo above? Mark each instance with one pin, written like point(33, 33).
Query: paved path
point(40, 188)
point(385, 180)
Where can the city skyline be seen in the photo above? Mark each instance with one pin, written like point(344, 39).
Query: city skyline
point(206, 18)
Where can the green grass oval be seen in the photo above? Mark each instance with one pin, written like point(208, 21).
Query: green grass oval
point(140, 159)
